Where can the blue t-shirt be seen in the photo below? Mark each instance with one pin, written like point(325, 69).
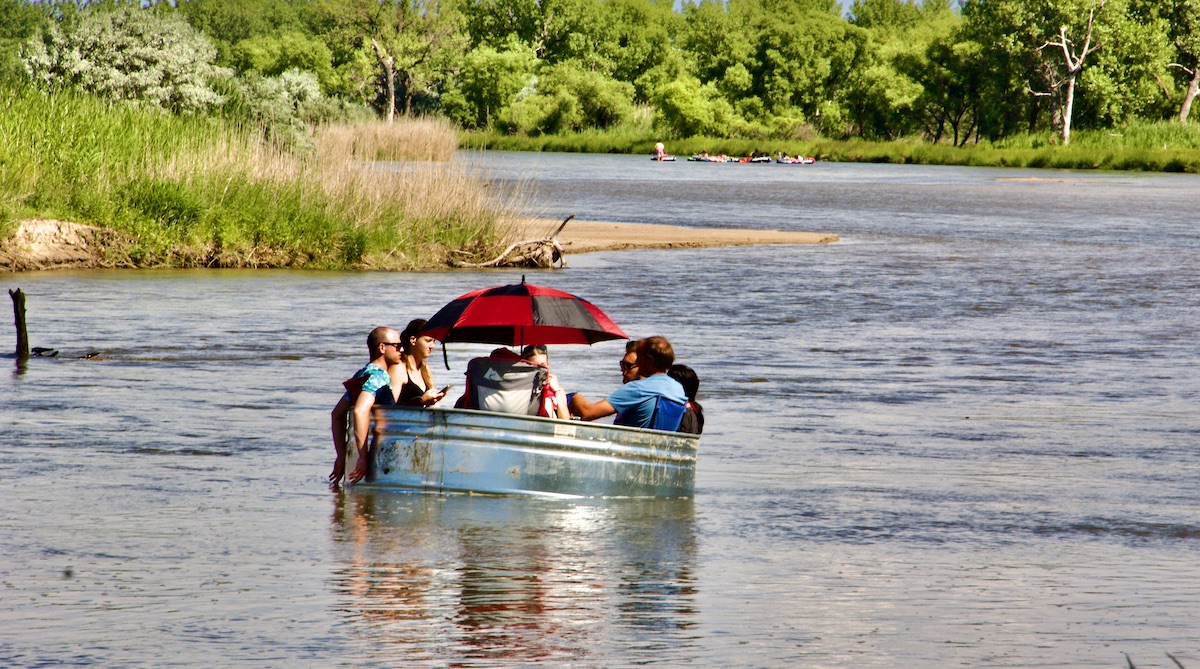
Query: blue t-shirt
point(377, 377)
point(635, 400)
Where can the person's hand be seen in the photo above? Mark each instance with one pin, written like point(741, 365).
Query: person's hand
point(432, 397)
point(555, 386)
point(339, 469)
point(360, 470)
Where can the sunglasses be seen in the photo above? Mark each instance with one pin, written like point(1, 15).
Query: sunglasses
point(626, 366)
point(397, 344)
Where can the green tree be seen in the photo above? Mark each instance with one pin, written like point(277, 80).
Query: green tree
point(686, 108)
point(951, 78)
point(1042, 51)
point(228, 22)
point(773, 57)
point(1182, 18)
point(128, 54)
point(569, 97)
point(19, 21)
point(488, 82)
point(417, 44)
point(272, 55)
point(885, 15)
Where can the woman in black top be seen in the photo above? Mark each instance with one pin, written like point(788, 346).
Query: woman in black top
point(412, 382)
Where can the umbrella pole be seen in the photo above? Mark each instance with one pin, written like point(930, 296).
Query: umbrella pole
point(445, 359)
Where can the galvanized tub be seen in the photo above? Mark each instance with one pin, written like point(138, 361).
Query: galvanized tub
point(460, 450)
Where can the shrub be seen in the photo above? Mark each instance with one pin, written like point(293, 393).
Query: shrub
point(128, 54)
point(686, 109)
point(567, 98)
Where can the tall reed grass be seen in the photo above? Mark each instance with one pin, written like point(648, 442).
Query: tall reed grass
point(201, 192)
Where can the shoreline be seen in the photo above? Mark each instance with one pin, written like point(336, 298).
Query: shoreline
point(44, 244)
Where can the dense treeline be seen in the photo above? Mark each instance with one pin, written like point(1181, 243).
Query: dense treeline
point(947, 73)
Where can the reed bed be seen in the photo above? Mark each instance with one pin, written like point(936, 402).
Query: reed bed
point(416, 139)
point(187, 192)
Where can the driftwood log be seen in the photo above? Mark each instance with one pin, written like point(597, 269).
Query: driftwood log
point(544, 252)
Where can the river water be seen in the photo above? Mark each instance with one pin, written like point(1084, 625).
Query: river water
point(966, 435)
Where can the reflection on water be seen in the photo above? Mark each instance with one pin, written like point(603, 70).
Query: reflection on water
point(482, 579)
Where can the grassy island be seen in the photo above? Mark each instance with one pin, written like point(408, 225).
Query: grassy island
point(195, 191)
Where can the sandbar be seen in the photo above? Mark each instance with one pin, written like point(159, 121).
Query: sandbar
point(590, 236)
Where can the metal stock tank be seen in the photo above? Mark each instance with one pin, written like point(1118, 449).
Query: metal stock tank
point(461, 450)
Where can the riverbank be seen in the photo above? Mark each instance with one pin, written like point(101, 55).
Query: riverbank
point(1146, 147)
point(42, 244)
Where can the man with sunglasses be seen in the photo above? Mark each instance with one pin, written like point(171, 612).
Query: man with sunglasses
point(385, 349)
point(629, 366)
point(637, 401)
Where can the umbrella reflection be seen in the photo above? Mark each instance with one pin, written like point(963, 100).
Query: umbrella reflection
point(458, 579)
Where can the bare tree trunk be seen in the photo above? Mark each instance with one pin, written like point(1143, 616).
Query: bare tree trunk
point(1193, 89)
point(1068, 106)
point(389, 73)
point(408, 96)
point(1074, 62)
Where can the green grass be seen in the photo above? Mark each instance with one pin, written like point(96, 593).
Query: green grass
point(196, 191)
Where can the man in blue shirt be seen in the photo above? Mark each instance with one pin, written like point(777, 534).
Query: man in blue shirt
point(385, 350)
point(635, 401)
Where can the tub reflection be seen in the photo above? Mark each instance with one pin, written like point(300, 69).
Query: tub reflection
point(464, 579)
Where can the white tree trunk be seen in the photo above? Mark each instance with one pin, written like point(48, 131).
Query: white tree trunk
point(1067, 109)
point(389, 73)
point(1193, 89)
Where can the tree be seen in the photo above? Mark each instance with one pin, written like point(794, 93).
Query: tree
point(488, 82)
point(951, 77)
point(779, 56)
point(19, 21)
point(1040, 51)
point(1062, 79)
point(1182, 18)
point(569, 97)
point(228, 22)
point(128, 54)
point(417, 45)
point(271, 55)
point(889, 15)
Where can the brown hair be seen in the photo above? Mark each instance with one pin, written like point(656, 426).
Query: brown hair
point(657, 351)
point(411, 331)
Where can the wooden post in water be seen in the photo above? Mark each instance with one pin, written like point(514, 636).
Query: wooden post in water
point(18, 299)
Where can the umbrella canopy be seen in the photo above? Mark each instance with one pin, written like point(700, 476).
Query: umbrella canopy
point(519, 314)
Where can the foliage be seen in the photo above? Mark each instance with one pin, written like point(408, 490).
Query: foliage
point(272, 55)
point(19, 21)
point(567, 97)
point(589, 70)
point(128, 54)
point(488, 82)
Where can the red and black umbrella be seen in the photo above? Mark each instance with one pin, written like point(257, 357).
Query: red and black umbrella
point(520, 314)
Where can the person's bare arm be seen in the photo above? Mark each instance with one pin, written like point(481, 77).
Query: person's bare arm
point(560, 397)
point(590, 410)
point(362, 427)
point(337, 419)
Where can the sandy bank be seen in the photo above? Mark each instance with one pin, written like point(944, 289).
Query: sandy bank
point(48, 244)
point(589, 236)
